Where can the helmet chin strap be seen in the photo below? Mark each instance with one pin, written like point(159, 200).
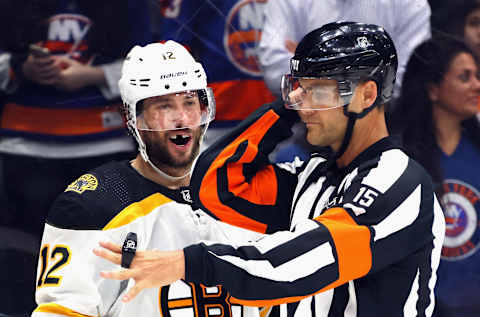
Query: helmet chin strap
point(352, 118)
point(165, 175)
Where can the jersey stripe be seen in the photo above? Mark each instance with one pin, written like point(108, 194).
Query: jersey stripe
point(403, 216)
point(179, 303)
point(265, 311)
point(266, 245)
point(240, 188)
point(52, 308)
point(351, 308)
point(208, 190)
point(438, 229)
point(55, 121)
point(393, 161)
point(410, 308)
point(354, 257)
point(137, 210)
point(249, 93)
point(288, 271)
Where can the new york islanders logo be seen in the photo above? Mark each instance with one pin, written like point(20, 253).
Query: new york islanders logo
point(461, 206)
point(242, 34)
point(66, 35)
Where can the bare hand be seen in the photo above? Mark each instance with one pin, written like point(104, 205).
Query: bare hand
point(75, 75)
point(41, 70)
point(148, 268)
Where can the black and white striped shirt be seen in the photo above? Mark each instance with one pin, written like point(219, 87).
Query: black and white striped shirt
point(363, 240)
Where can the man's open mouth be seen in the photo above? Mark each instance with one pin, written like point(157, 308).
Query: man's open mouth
point(180, 139)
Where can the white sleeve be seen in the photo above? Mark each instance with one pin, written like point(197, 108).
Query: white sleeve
point(412, 27)
point(407, 21)
point(113, 72)
point(7, 85)
point(4, 70)
point(68, 279)
point(283, 20)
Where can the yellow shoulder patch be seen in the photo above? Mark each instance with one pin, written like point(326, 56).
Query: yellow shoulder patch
point(83, 183)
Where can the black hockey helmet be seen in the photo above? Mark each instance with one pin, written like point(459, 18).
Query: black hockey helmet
point(348, 50)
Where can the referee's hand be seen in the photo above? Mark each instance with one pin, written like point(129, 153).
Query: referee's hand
point(148, 269)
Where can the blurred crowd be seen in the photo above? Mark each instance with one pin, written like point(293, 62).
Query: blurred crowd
point(60, 62)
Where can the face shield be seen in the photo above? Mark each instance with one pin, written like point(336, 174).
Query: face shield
point(182, 110)
point(308, 93)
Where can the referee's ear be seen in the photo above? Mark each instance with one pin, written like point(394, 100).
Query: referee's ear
point(364, 96)
point(369, 93)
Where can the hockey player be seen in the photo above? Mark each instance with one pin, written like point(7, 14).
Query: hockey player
point(168, 108)
point(357, 233)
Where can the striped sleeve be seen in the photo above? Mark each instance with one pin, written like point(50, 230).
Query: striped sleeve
point(395, 198)
point(387, 215)
point(234, 181)
point(286, 266)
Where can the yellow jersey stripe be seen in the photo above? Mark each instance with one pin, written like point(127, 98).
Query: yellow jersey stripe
point(137, 210)
point(53, 308)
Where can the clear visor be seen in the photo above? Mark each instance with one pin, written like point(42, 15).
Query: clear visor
point(304, 93)
point(181, 110)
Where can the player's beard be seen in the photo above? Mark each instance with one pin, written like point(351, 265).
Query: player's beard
point(158, 153)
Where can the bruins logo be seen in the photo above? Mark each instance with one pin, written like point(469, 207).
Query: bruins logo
point(85, 182)
point(188, 299)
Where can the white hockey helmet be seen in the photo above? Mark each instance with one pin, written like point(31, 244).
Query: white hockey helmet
point(160, 69)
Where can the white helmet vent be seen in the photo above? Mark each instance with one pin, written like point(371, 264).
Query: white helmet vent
point(141, 82)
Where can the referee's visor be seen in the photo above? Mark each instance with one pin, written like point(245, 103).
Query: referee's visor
point(310, 93)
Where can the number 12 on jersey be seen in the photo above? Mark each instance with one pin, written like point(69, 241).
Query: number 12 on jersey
point(52, 259)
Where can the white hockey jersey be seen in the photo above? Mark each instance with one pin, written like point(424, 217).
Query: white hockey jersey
point(105, 205)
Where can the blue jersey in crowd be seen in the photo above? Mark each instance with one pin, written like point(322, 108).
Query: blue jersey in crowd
point(458, 283)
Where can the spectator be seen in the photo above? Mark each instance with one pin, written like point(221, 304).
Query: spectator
point(459, 19)
point(61, 110)
point(287, 21)
point(435, 115)
point(61, 114)
point(224, 36)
